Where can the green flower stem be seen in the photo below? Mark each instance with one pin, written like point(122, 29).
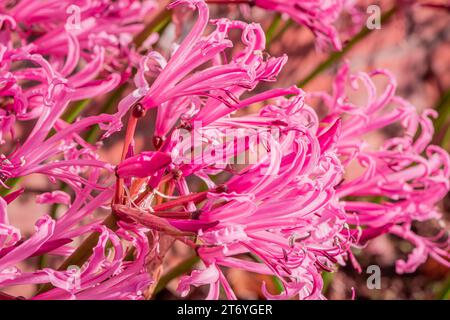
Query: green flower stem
point(446, 141)
point(75, 110)
point(84, 251)
point(443, 107)
point(278, 284)
point(161, 20)
point(327, 278)
point(11, 183)
point(272, 28)
point(94, 132)
point(175, 272)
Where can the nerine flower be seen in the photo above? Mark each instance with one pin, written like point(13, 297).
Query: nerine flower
point(321, 17)
point(286, 213)
point(51, 100)
point(297, 212)
point(51, 55)
point(42, 43)
point(102, 277)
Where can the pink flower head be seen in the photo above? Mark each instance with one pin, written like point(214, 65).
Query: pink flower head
point(143, 165)
point(179, 92)
point(319, 16)
point(54, 197)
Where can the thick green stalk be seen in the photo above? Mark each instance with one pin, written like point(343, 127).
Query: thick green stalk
point(79, 257)
point(278, 284)
point(75, 110)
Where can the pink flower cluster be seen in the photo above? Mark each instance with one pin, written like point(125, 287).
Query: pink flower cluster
point(294, 213)
point(319, 16)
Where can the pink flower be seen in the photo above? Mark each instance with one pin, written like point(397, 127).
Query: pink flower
point(293, 225)
point(45, 65)
point(9, 235)
point(179, 92)
point(102, 277)
point(404, 179)
point(299, 222)
point(212, 276)
point(96, 37)
point(275, 190)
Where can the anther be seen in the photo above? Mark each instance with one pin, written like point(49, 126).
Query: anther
point(157, 142)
